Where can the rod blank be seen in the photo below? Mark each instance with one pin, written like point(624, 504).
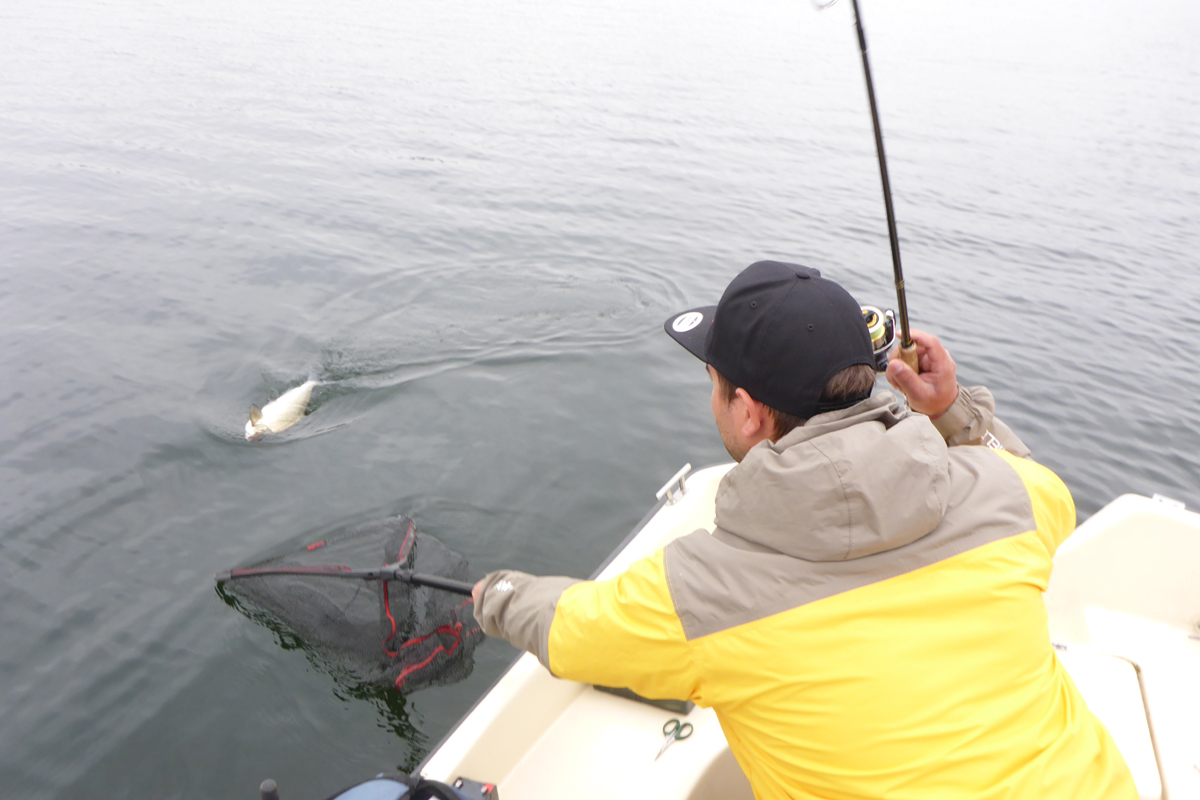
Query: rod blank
point(906, 342)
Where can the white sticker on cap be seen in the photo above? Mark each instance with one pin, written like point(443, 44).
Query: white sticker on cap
point(685, 322)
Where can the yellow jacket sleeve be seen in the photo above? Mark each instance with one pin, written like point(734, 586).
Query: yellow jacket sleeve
point(624, 633)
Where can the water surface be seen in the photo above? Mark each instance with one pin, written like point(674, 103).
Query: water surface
point(472, 218)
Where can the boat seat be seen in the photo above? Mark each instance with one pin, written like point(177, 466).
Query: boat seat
point(1112, 688)
point(1127, 583)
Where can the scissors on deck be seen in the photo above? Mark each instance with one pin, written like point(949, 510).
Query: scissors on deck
point(674, 730)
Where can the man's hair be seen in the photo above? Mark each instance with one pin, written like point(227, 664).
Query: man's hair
point(854, 381)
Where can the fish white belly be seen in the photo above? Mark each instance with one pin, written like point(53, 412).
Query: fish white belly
point(283, 412)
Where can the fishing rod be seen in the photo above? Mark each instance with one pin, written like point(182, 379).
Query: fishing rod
point(908, 349)
point(388, 572)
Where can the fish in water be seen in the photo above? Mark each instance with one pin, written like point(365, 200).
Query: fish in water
point(281, 413)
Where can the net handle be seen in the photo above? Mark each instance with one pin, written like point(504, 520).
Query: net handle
point(386, 573)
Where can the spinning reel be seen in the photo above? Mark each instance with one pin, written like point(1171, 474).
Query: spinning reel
point(882, 327)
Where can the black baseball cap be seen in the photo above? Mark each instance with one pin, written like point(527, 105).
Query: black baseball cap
point(780, 332)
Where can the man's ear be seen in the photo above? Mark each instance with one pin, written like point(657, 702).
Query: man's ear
point(756, 424)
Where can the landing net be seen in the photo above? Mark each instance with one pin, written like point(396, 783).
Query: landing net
point(372, 631)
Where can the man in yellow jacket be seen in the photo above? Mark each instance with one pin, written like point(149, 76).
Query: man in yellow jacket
point(866, 616)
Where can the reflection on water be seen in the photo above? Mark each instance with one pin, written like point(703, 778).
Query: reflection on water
point(390, 703)
point(472, 221)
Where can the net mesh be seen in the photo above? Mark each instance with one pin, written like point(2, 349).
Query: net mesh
point(373, 632)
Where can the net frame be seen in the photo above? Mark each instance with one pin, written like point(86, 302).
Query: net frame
point(371, 632)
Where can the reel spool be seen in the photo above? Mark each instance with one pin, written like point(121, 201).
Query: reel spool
point(882, 327)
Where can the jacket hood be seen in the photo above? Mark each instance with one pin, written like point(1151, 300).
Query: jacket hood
point(847, 484)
